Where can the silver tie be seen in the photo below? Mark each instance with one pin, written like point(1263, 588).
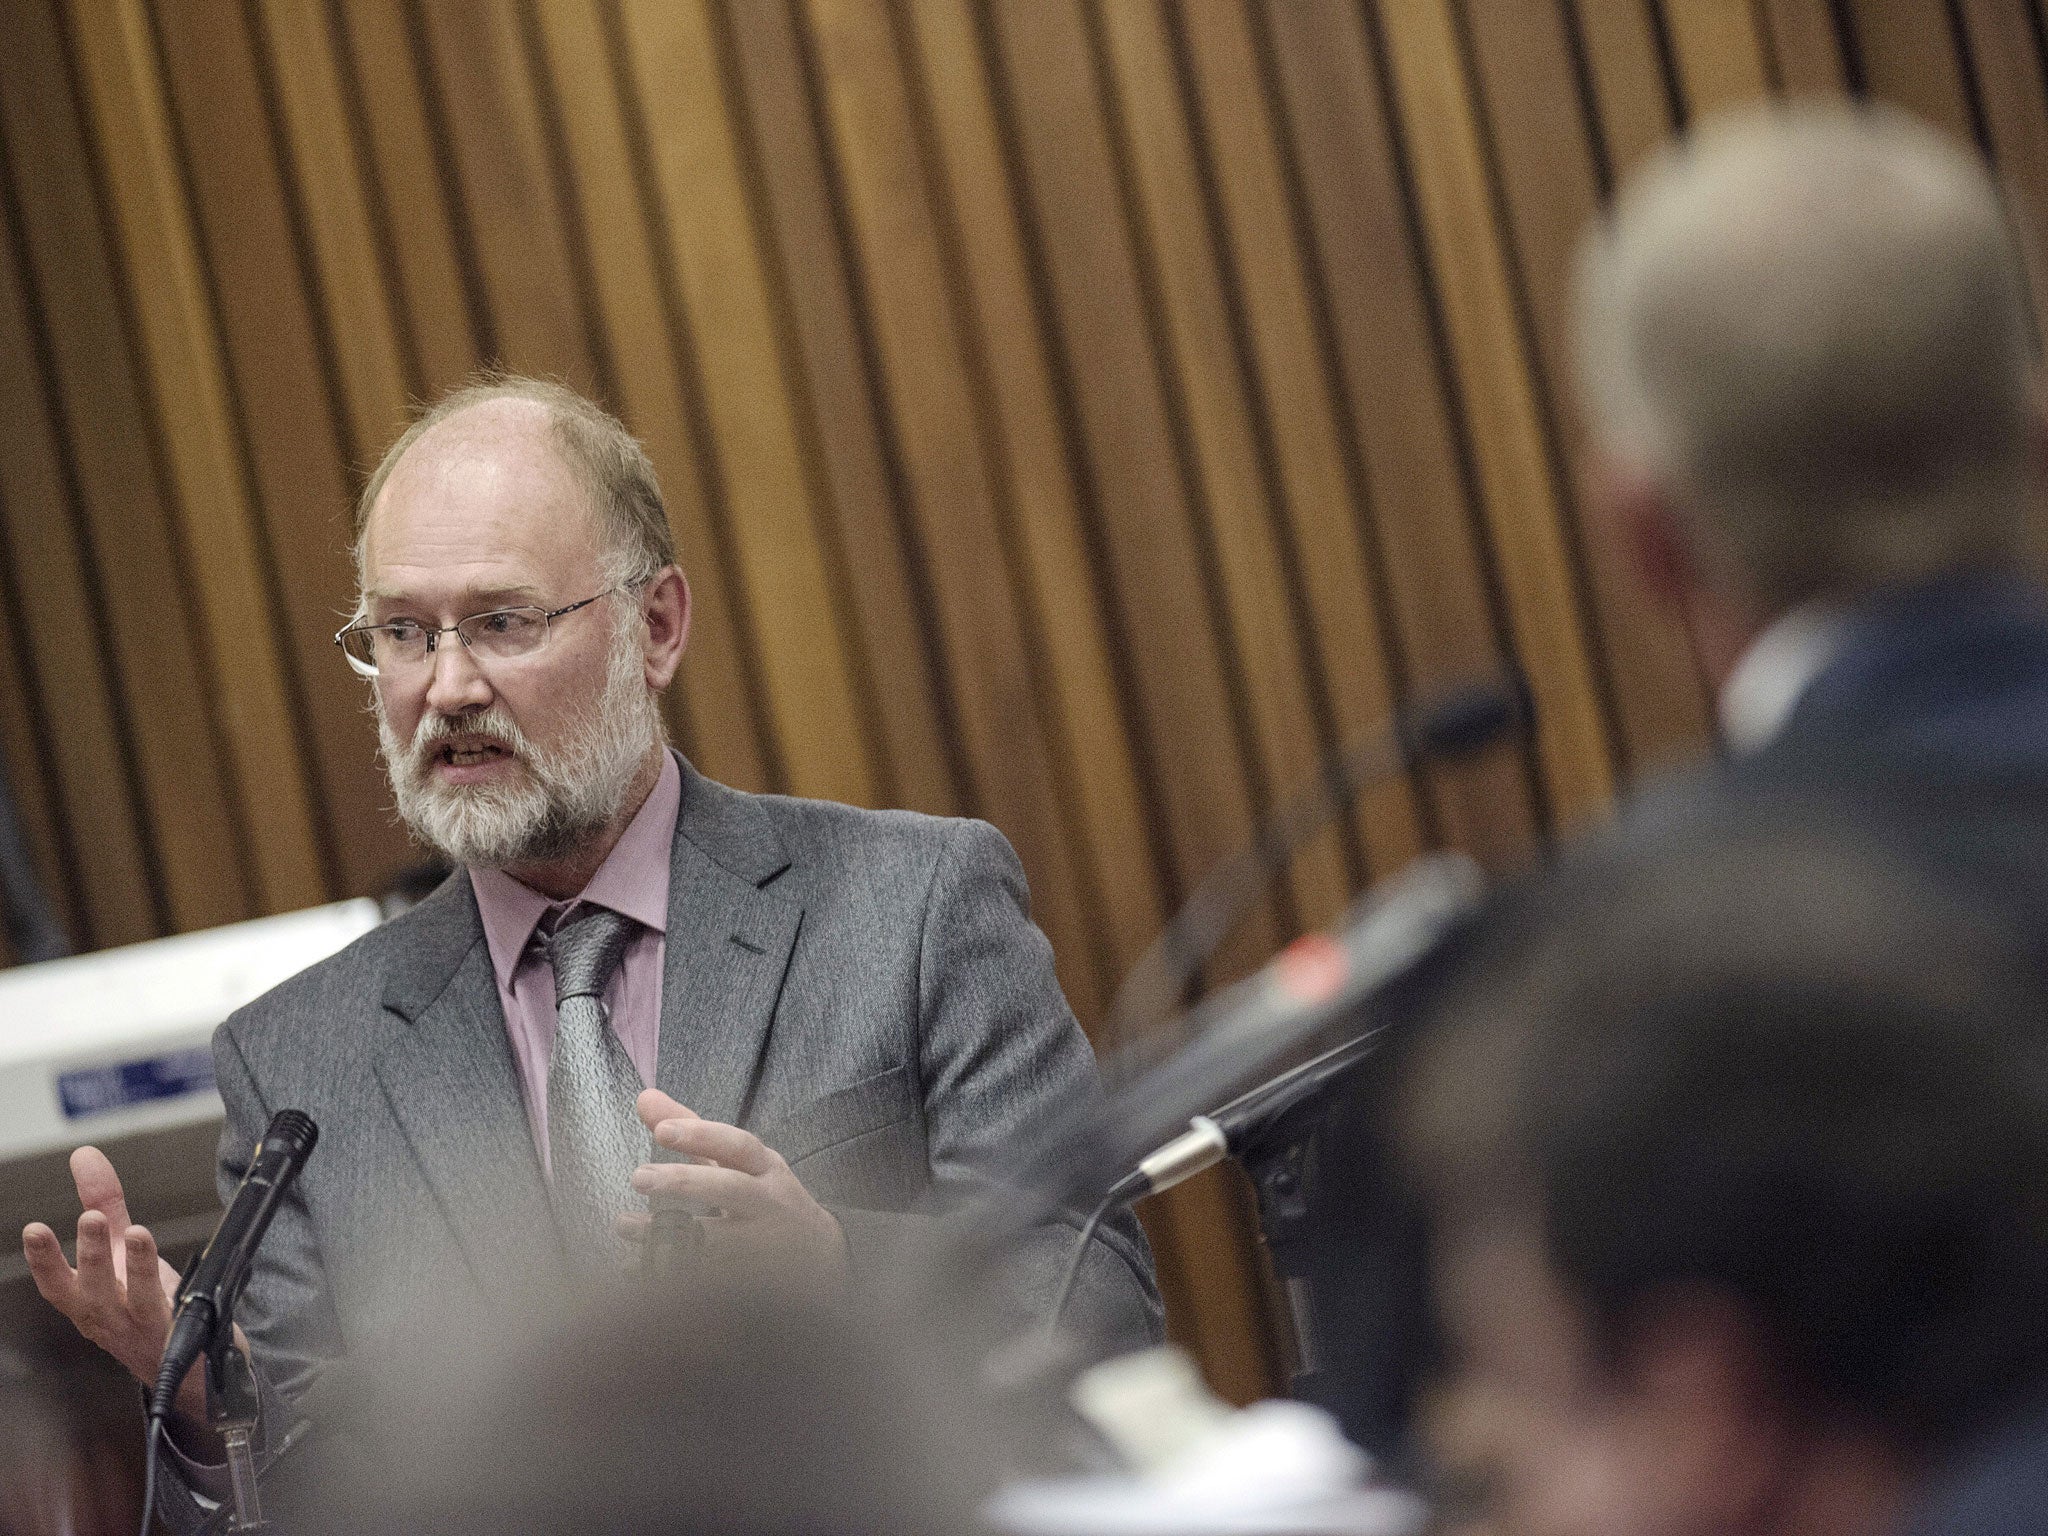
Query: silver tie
point(595, 1141)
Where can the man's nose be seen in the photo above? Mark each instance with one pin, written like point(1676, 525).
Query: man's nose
point(456, 685)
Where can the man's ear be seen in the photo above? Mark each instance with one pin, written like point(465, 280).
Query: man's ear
point(1641, 519)
point(666, 606)
point(1706, 1402)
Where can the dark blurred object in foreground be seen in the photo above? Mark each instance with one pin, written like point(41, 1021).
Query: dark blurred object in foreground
point(708, 1409)
point(1737, 1157)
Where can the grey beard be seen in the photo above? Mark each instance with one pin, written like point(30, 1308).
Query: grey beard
point(566, 795)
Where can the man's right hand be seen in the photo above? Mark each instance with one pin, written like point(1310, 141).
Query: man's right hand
point(130, 1321)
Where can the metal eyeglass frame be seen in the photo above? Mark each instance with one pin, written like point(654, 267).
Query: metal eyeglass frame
point(433, 636)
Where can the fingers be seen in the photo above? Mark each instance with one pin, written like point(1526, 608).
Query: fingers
point(99, 1288)
point(99, 1187)
point(633, 1225)
point(724, 1144)
point(166, 1277)
point(653, 1106)
point(704, 1185)
point(129, 1323)
point(147, 1304)
point(55, 1280)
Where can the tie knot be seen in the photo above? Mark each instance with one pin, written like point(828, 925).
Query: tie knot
point(585, 950)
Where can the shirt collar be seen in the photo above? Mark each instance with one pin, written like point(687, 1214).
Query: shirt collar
point(1760, 694)
point(632, 881)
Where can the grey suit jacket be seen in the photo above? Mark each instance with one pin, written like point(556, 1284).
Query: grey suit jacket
point(864, 989)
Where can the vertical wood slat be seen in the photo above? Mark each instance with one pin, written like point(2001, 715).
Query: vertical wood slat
point(1318, 472)
point(27, 786)
point(713, 703)
point(383, 78)
point(297, 43)
point(1124, 438)
point(90, 810)
point(1720, 56)
point(140, 591)
point(1014, 375)
point(947, 481)
point(525, 266)
point(848, 446)
point(1630, 95)
point(1804, 47)
point(1519, 498)
point(1231, 465)
point(1400, 417)
point(209, 493)
point(2011, 88)
point(712, 244)
point(1909, 58)
point(1548, 169)
point(285, 464)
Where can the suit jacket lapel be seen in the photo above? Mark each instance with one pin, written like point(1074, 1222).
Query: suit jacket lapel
point(728, 948)
point(453, 1086)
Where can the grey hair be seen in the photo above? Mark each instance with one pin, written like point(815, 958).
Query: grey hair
point(615, 469)
point(1809, 324)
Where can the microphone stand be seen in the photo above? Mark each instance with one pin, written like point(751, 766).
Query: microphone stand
point(231, 1411)
point(674, 1236)
point(1280, 1189)
point(673, 1241)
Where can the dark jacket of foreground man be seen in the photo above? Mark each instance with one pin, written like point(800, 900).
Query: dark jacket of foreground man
point(1925, 732)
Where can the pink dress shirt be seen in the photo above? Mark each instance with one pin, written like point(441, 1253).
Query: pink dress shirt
point(632, 881)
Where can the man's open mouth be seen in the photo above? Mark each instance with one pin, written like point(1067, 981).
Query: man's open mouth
point(464, 754)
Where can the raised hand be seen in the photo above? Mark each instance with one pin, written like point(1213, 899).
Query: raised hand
point(754, 1207)
point(120, 1294)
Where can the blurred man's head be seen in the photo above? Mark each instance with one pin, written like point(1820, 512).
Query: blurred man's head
point(1806, 361)
point(707, 1408)
point(1738, 1163)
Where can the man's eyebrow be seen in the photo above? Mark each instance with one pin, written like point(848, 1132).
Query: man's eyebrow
point(475, 600)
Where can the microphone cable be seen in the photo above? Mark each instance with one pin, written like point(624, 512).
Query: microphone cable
point(152, 1431)
point(1080, 1254)
point(1458, 724)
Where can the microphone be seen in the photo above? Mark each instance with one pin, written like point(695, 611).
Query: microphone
point(1231, 1130)
point(1386, 939)
point(206, 1296)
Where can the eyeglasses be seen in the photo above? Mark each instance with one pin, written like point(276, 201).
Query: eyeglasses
point(503, 634)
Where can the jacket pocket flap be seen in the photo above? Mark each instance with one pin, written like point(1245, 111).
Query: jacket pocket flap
point(868, 1105)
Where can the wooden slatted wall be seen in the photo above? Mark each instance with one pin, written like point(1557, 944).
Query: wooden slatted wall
point(1079, 413)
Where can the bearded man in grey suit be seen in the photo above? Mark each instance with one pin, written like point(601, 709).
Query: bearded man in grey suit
point(824, 1020)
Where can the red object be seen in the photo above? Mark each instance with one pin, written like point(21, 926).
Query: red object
point(1312, 968)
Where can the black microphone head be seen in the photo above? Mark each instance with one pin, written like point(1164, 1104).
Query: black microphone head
point(293, 1131)
point(1472, 717)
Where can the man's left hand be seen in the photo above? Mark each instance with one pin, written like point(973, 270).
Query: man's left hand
point(763, 1211)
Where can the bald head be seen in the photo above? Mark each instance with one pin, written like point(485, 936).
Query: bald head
point(1808, 327)
point(591, 443)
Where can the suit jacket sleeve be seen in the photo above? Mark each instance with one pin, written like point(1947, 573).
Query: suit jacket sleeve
point(999, 1054)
